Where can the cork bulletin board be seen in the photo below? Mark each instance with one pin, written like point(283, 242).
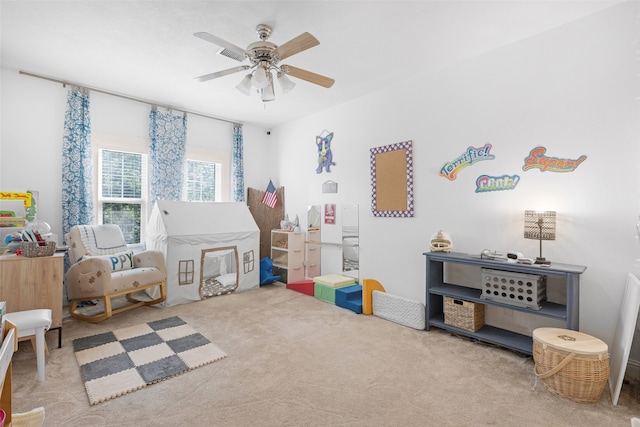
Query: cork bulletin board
point(392, 180)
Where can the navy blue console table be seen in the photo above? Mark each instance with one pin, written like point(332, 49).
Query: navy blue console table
point(437, 289)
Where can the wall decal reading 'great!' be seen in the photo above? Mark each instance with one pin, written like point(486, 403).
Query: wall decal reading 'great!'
point(537, 160)
point(486, 183)
point(472, 155)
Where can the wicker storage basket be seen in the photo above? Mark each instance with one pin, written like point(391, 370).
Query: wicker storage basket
point(463, 314)
point(32, 249)
point(571, 364)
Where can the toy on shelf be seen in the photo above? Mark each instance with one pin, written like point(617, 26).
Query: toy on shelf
point(286, 225)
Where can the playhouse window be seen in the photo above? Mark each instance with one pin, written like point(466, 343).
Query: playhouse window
point(248, 262)
point(185, 272)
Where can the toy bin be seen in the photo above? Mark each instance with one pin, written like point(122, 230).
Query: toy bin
point(518, 289)
point(463, 314)
point(34, 249)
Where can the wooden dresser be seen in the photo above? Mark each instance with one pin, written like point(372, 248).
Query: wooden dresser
point(30, 283)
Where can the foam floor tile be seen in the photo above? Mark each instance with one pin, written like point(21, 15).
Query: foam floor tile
point(131, 358)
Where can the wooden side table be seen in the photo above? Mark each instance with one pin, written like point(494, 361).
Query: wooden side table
point(30, 283)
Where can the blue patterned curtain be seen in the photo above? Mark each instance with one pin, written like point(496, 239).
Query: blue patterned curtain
point(168, 134)
point(237, 165)
point(77, 172)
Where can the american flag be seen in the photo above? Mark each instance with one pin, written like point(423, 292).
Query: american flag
point(270, 197)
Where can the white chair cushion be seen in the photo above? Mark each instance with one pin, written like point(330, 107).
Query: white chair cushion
point(29, 320)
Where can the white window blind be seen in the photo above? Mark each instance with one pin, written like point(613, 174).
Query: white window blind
point(200, 181)
point(123, 194)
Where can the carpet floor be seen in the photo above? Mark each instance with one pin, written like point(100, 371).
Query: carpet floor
point(294, 360)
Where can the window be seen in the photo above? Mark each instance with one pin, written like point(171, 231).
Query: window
point(122, 195)
point(200, 181)
point(121, 175)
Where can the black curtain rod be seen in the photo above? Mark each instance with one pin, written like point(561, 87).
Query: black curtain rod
point(64, 83)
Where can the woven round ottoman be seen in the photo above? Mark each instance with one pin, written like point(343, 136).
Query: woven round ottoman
point(571, 364)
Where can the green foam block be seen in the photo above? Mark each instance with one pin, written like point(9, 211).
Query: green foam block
point(325, 293)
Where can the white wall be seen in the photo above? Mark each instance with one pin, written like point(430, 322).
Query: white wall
point(31, 148)
point(32, 130)
point(571, 90)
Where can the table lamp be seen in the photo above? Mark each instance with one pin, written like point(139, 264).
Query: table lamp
point(540, 225)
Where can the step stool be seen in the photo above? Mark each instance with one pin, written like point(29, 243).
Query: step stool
point(350, 297)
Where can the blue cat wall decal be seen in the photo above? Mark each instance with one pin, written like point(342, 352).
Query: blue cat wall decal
point(325, 156)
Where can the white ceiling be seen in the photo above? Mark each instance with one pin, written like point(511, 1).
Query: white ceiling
point(146, 49)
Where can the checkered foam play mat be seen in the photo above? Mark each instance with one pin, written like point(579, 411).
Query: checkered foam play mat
point(128, 359)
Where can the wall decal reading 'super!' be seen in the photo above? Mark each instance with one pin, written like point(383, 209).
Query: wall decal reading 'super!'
point(472, 155)
point(537, 160)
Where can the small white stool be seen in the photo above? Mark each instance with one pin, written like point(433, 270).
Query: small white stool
point(32, 323)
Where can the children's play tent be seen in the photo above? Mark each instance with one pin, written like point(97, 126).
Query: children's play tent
point(210, 248)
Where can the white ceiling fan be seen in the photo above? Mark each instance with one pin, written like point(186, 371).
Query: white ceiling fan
point(265, 57)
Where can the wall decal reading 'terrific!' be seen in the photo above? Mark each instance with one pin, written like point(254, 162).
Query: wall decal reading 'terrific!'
point(472, 155)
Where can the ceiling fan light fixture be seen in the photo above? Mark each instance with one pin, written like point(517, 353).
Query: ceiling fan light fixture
point(264, 57)
point(245, 85)
point(268, 94)
point(285, 83)
point(260, 79)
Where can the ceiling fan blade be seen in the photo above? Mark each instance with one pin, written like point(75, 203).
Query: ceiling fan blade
point(222, 73)
point(308, 76)
point(237, 51)
point(296, 45)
